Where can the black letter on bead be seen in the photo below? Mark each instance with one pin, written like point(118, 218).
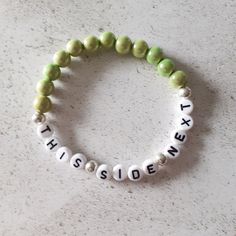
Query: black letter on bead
point(182, 107)
point(185, 122)
point(52, 144)
point(62, 155)
point(77, 163)
point(172, 151)
point(47, 129)
point(119, 173)
point(150, 169)
point(135, 174)
point(104, 174)
point(180, 137)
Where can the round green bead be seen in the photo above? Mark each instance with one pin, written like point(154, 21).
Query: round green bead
point(178, 79)
point(154, 55)
point(91, 43)
point(51, 72)
point(140, 48)
point(165, 67)
point(74, 47)
point(123, 45)
point(62, 58)
point(42, 104)
point(44, 87)
point(107, 39)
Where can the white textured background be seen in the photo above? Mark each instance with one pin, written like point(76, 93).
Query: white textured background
point(116, 109)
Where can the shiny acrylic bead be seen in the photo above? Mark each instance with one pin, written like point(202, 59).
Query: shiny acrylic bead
point(51, 72)
point(172, 151)
point(45, 130)
point(185, 106)
point(185, 122)
point(139, 48)
point(185, 92)
point(150, 167)
point(179, 137)
point(123, 45)
point(42, 104)
point(78, 161)
point(107, 39)
point(52, 144)
point(135, 173)
point(91, 43)
point(62, 58)
point(74, 47)
point(154, 55)
point(119, 172)
point(160, 159)
point(38, 118)
point(103, 172)
point(91, 166)
point(63, 154)
point(44, 87)
point(178, 79)
point(165, 67)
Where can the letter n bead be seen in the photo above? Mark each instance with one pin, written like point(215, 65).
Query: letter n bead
point(103, 172)
point(172, 151)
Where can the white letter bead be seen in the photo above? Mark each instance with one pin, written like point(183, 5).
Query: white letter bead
point(135, 173)
point(179, 136)
point(119, 172)
point(185, 122)
point(63, 154)
point(44, 130)
point(185, 106)
point(52, 144)
point(78, 161)
point(172, 151)
point(150, 167)
point(103, 172)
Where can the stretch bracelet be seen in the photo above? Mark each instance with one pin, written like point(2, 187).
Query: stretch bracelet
point(122, 45)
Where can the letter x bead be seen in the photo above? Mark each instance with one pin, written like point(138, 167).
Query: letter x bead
point(185, 122)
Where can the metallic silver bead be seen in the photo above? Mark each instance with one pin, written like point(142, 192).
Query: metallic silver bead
point(161, 159)
point(91, 166)
point(185, 92)
point(38, 118)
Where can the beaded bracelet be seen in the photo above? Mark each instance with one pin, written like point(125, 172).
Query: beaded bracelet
point(122, 45)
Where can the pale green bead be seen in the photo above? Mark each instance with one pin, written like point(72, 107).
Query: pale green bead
point(123, 45)
point(44, 87)
point(51, 72)
point(178, 79)
point(140, 48)
point(107, 39)
point(62, 58)
point(42, 104)
point(165, 67)
point(74, 47)
point(154, 55)
point(91, 43)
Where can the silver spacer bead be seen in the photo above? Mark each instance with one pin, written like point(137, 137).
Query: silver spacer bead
point(161, 159)
point(38, 118)
point(91, 166)
point(185, 92)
